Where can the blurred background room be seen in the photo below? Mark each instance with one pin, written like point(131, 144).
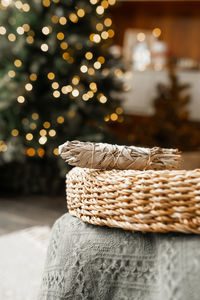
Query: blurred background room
point(124, 72)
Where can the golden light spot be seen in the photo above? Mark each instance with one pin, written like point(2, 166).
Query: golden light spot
point(29, 39)
point(11, 74)
point(93, 86)
point(44, 47)
point(114, 117)
point(33, 126)
point(21, 99)
point(56, 94)
point(55, 85)
point(99, 26)
point(26, 27)
point(104, 35)
point(91, 71)
point(51, 75)
point(63, 20)
point(64, 45)
point(3, 147)
point(17, 63)
point(112, 2)
point(40, 152)
point(107, 118)
point(156, 32)
point(81, 12)
point(101, 59)
point(55, 151)
point(30, 152)
point(45, 30)
point(75, 80)
point(65, 55)
point(111, 33)
point(141, 36)
point(103, 99)
point(20, 30)
point(88, 55)
point(31, 33)
point(96, 38)
point(60, 36)
point(43, 140)
point(46, 3)
point(60, 120)
point(104, 3)
point(43, 132)
point(29, 136)
point(26, 7)
point(18, 4)
point(2, 30)
point(120, 119)
point(64, 90)
point(52, 132)
point(46, 125)
point(15, 132)
point(118, 72)
point(93, 1)
point(119, 110)
point(70, 60)
point(6, 3)
point(90, 94)
point(73, 18)
point(97, 65)
point(33, 77)
point(28, 87)
point(11, 37)
point(85, 97)
point(84, 69)
point(35, 116)
point(100, 10)
point(75, 93)
point(108, 22)
point(54, 19)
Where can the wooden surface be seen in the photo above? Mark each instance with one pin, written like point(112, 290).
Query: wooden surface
point(179, 22)
point(20, 213)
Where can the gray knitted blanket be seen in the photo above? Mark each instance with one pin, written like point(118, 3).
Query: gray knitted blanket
point(86, 262)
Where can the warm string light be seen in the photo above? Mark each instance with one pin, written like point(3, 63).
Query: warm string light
point(15, 132)
point(28, 87)
point(18, 63)
point(3, 146)
point(20, 99)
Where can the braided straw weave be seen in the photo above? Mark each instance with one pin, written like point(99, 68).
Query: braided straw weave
point(155, 201)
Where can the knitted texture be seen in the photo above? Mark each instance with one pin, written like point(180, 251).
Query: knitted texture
point(86, 262)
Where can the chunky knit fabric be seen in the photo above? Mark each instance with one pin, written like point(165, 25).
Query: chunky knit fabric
point(86, 262)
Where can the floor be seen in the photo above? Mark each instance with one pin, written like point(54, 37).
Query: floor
point(23, 212)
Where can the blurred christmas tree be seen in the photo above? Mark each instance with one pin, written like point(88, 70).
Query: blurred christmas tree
point(171, 115)
point(57, 74)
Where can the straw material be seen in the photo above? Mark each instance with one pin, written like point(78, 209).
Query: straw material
point(108, 157)
point(155, 201)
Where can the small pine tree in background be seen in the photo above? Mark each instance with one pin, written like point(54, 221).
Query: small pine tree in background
point(58, 82)
point(171, 114)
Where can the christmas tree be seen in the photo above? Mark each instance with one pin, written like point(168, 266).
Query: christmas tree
point(171, 113)
point(59, 81)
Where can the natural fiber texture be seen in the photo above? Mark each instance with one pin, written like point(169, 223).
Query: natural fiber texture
point(107, 157)
point(156, 201)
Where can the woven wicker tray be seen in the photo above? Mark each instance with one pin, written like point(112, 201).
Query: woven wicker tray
point(147, 201)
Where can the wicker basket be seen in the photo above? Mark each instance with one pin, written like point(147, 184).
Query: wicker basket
point(154, 201)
